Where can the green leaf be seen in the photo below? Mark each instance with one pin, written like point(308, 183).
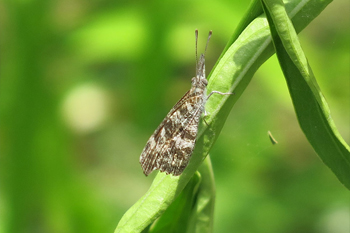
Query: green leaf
point(180, 211)
point(232, 73)
point(203, 211)
point(309, 103)
point(193, 210)
point(253, 12)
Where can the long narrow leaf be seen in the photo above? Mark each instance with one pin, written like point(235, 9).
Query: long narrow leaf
point(309, 103)
point(180, 211)
point(202, 219)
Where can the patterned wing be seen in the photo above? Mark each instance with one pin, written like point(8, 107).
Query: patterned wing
point(171, 145)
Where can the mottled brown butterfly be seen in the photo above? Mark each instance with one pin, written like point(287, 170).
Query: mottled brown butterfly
point(170, 147)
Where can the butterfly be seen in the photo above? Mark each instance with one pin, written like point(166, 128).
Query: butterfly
point(170, 147)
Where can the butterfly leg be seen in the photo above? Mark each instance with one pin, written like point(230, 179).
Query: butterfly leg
point(220, 93)
point(217, 92)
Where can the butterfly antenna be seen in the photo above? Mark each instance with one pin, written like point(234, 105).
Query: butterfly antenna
point(196, 33)
point(210, 33)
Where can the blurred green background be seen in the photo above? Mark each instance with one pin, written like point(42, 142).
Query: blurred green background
point(84, 84)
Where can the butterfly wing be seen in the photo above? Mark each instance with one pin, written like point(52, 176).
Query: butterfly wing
point(171, 145)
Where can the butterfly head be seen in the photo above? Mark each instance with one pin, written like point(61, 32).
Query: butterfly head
point(200, 81)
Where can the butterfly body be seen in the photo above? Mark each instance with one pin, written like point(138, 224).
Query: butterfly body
point(171, 145)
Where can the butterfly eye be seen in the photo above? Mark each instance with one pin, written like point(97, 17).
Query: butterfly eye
point(205, 81)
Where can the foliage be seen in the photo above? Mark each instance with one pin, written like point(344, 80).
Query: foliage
point(250, 48)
